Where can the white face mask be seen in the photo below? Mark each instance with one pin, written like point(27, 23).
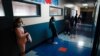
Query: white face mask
point(20, 24)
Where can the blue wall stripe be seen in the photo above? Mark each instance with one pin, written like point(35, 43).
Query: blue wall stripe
point(41, 32)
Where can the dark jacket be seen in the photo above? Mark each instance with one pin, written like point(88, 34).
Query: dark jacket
point(52, 27)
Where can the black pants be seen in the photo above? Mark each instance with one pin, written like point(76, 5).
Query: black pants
point(54, 34)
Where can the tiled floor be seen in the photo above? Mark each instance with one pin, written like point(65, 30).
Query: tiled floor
point(76, 39)
point(32, 53)
point(72, 44)
point(77, 45)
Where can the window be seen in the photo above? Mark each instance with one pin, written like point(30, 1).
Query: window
point(55, 11)
point(25, 9)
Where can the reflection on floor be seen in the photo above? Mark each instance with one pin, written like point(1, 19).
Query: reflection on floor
point(77, 39)
point(76, 44)
point(31, 53)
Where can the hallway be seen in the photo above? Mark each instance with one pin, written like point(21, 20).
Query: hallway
point(28, 27)
point(75, 45)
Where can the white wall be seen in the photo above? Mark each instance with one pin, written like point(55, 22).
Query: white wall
point(73, 12)
point(78, 10)
point(74, 8)
point(44, 15)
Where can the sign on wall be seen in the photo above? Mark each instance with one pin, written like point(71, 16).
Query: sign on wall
point(52, 2)
point(40, 1)
point(55, 2)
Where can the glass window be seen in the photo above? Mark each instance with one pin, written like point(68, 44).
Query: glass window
point(55, 11)
point(25, 9)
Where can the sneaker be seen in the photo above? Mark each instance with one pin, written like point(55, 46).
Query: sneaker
point(68, 33)
point(55, 43)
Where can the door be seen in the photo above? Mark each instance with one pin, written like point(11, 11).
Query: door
point(67, 12)
point(7, 40)
point(96, 43)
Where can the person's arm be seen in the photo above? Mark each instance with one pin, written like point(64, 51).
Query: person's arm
point(19, 33)
point(50, 24)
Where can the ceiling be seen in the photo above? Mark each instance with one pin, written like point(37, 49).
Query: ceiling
point(91, 3)
point(80, 1)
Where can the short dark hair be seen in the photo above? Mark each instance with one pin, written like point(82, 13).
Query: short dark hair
point(52, 17)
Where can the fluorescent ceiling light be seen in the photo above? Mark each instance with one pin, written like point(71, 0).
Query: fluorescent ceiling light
point(85, 4)
point(69, 5)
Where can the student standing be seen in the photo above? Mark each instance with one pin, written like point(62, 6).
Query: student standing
point(21, 35)
point(67, 27)
point(75, 20)
point(52, 28)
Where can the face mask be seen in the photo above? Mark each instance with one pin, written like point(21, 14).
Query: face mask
point(20, 24)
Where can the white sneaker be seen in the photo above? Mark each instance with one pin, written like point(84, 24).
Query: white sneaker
point(55, 43)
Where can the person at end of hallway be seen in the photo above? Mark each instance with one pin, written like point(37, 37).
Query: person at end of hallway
point(75, 19)
point(53, 29)
point(21, 35)
point(67, 27)
point(67, 17)
point(72, 21)
point(79, 19)
point(71, 25)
